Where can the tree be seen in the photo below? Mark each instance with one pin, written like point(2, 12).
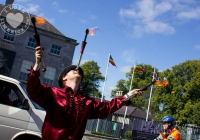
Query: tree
point(180, 98)
point(92, 79)
point(140, 79)
point(121, 86)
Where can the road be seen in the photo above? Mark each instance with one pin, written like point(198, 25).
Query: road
point(92, 138)
point(96, 137)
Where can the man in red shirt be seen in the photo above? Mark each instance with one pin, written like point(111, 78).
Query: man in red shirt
point(67, 108)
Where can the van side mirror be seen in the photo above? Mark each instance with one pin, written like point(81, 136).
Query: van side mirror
point(25, 104)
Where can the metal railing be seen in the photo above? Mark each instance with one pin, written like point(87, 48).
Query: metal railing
point(113, 124)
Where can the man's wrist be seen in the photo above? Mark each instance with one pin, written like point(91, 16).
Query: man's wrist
point(127, 96)
point(36, 67)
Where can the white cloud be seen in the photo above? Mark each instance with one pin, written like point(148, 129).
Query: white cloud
point(33, 8)
point(145, 14)
point(146, 10)
point(162, 7)
point(127, 55)
point(55, 4)
point(197, 47)
point(82, 20)
point(125, 69)
point(159, 27)
point(153, 16)
point(190, 14)
point(62, 11)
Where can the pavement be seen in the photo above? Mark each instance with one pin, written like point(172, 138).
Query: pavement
point(93, 138)
point(97, 137)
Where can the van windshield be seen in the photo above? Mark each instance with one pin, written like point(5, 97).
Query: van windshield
point(35, 104)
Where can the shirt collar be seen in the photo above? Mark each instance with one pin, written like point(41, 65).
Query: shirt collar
point(67, 88)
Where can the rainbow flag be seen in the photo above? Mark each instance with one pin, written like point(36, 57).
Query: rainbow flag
point(139, 68)
point(112, 61)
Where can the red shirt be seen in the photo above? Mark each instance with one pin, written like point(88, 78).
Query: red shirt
point(67, 112)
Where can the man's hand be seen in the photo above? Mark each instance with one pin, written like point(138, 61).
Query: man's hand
point(133, 93)
point(39, 54)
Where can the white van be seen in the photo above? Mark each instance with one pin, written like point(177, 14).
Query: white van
point(20, 118)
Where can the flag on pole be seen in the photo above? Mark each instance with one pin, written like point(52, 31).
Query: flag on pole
point(156, 77)
point(112, 61)
point(138, 67)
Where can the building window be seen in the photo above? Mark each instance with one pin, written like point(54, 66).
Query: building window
point(23, 72)
point(55, 49)
point(31, 43)
point(49, 76)
point(9, 37)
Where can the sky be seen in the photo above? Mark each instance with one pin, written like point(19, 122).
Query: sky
point(160, 33)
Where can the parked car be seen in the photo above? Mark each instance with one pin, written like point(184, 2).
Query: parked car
point(20, 117)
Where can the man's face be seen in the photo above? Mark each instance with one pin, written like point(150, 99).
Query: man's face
point(73, 75)
point(165, 125)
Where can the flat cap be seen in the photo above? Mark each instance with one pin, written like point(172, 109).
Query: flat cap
point(65, 71)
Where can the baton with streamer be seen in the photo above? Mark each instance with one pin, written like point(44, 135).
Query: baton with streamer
point(37, 39)
point(82, 47)
point(141, 89)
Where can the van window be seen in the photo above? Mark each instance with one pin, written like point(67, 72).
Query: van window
point(35, 104)
point(10, 94)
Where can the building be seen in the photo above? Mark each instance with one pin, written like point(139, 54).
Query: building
point(132, 112)
point(17, 52)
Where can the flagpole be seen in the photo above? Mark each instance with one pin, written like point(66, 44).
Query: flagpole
point(103, 88)
point(127, 106)
point(105, 78)
point(150, 96)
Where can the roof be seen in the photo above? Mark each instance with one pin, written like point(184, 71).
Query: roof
point(9, 79)
point(133, 111)
point(46, 27)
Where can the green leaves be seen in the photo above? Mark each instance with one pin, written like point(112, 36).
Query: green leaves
point(92, 79)
point(182, 95)
point(180, 99)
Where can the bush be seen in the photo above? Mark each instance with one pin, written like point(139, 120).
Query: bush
point(128, 135)
point(102, 134)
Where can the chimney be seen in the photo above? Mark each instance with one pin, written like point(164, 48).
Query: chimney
point(119, 93)
point(9, 2)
